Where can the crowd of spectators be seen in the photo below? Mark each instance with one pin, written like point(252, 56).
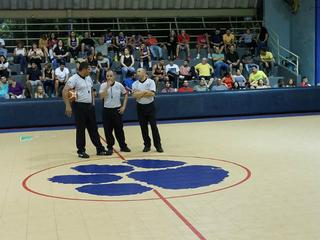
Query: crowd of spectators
point(45, 64)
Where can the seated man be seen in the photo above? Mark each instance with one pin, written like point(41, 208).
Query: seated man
point(121, 42)
point(185, 87)
point(266, 60)
point(185, 71)
point(4, 88)
point(60, 54)
point(248, 61)
point(34, 77)
point(87, 44)
point(220, 86)
point(240, 79)
point(183, 43)
point(172, 71)
point(204, 69)
point(203, 43)
point(217, 40)
point(158, 72)
point(155, 49)
point(145, 56)
point(168, 88)
point(218, 59)
point(61, 76)
point(103, 66)
point(228, 39)
point(255, 76)
point(202, 87)
point(233, 59)
point(3, 50)
point(95, 71)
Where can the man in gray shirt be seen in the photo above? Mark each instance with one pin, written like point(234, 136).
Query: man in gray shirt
point(85, 116)
point(144, 91)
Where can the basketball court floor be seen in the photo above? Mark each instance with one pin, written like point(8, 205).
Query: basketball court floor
point(231, 179)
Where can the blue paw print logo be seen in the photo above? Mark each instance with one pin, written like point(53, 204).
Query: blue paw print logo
point(105, 180)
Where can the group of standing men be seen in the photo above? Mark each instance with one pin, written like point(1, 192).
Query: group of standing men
point(110, 91)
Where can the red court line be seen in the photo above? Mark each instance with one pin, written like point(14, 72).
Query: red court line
point(182, 218)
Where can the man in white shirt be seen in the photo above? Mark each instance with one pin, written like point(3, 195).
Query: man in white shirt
point(144, 91)
point(172, 71)
point(85, 116)
point(61, 76)
point(110, 92)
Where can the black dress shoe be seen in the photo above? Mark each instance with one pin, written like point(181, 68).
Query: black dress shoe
point(102, 153)
point(146, 149)
point(159, 149)
point(83, 155)
point(109, 151)
point(125, 149)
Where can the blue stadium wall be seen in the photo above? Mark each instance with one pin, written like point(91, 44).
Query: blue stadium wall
point(36, 113)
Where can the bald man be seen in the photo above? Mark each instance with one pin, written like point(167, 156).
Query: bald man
point(144, 91)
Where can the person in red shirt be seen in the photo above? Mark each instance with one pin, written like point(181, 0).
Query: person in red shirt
point(183, 43)
point(203, 42)
point(227, 80)
point(156, 50)
point(305, 82)
point(185, 87)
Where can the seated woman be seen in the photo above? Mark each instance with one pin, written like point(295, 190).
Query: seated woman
point(73, 45)
point(145, 57)
point(4, 64)
point(127, 63)
point(35, 55)
point(48, 79)
point(16, 90)
point(40, 92)
point(20, 57)
point(43, 45)
point(168, 88)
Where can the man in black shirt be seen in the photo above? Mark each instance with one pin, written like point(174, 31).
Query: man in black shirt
point(60, 54)
point(232, 58)
point(34, 77)
point(87, 44)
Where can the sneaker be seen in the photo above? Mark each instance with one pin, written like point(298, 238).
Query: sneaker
point(159, 149)
point(125, 149)
point(83, 155)
point(209, 55)
point(102, 153)
point(198, 56)
point(146, 149)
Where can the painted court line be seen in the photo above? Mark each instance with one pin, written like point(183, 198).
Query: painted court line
point(169, 205)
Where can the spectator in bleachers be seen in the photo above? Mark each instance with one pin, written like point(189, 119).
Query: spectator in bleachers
point(262, 84)
point(305, 82)
point(228, 39)
point(280, 83)
point(4, 67)
point(145, 57)
point(266, 60)
point(220, 86)
point(167, 88)
point(247, 40)
point(4, 88)
point(111, 42)
point(239, 79)
point(35, 55)
point(255, 76)
point(228, 80)
point(43, 45)
point(185, 87)
point(134, 43)
point(130, 79)
point(172, 71)
point(171, 45)
point(127, 63)
point(103, 65)
point(158, 72)
point(60, 54)
point(121, 42)
point(248, 61)
point(203, 43)
point(156, 50)
point(291, 83)
point(204, 69)
point(185, 71)
point(3, 50)
point(183, 43)
point(73, 45)
point(16, 90)
point(262, 38)
point(236, 86)
point(61, 76)
point(232, 58)
point(95, 71)
point(20, 56)
point(87, 44)
point(202, 86)
point(217, 40)
point(219, 64)
point(53, 41)
point(48, 79)
point(40, 93)
point(102, 48)
point(34, 77)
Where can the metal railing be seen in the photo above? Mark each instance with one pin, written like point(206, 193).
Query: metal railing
point(282, 55)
